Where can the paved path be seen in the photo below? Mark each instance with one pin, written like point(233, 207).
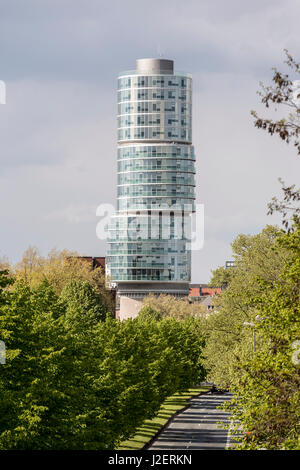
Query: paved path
point(196, 427)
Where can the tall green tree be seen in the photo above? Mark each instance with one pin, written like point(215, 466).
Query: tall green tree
point(59, 268)
point(284, 96)
point(227, 339)
point(266, 383)
point(74, 381)
point(83, 302)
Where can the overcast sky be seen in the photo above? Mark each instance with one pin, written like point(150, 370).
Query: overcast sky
point(60, 60)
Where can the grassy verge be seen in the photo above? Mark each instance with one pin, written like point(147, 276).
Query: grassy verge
point(151, 426)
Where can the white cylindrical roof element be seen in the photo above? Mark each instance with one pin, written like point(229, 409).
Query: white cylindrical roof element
point(152, 66)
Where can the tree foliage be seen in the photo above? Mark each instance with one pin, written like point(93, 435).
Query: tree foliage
point(221, 277)
point(59, 268)
point(83, 302)
point(266, 384)
point(289, 206)
point(264, 293)
point(284, 93)
point(74, 381)
point(227, 340)
point(264, 296)
point(168, 306)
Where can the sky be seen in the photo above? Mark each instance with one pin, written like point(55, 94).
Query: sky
point(60, 60)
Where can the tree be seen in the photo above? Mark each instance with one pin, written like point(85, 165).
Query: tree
point(82, 302)
point(31, 344)
point(221, 277)
point(145, 362)
point(266, 384)
point(149, 313)
point(288, 207)
point(73, 382)
point(4, 264)
point(263, 299)
point(168, 306)
point(227, 340)
point(5, 281)
point(266, 381)
point(265, 293)
point(58, 269)
point(284, 93)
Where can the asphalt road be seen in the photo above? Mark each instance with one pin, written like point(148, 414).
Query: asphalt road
point(197, 426)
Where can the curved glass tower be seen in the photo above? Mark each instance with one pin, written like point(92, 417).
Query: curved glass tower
point(149, 236)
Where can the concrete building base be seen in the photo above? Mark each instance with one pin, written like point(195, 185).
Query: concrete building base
point(129, 308)
point(130, 295)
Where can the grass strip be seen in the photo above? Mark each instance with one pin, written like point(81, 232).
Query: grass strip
point(148, 430)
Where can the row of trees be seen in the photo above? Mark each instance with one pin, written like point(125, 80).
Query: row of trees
point(58, 268)
point(262, 298)
point(74, 377)
point(262, 303)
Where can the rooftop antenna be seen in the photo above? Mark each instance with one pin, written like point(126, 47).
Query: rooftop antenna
point(160, 54)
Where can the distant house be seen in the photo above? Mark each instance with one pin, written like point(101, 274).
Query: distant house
point(207, 302)
point(204, 295)
point(230, 264)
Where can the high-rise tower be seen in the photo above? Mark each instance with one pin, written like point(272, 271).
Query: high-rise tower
point(149, 237)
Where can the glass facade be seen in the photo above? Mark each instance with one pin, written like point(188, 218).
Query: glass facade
point(148, 238)
point(155, 108)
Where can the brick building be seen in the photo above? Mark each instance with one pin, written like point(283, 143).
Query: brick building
point(203, 290)
point(95, 261)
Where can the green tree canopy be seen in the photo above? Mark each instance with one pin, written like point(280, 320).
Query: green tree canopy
point(221, 277)
point(74, 381)
point(256, 259)
point(83, 302)
point(266, 384)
